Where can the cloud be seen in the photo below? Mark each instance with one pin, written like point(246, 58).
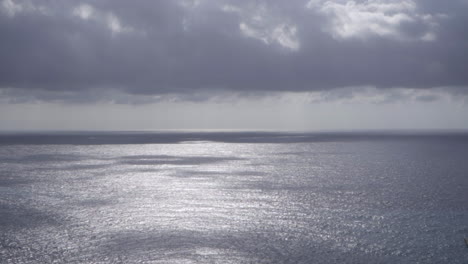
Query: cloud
point(109, 19)
point(97, 49)
point(258, 21)
point(376, 17)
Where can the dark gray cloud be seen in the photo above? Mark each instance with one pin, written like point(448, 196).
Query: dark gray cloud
point(57, 49)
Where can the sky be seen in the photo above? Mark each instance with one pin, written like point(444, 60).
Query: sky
point(223, 64)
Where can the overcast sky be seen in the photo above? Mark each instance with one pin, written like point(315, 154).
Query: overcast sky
point(225, 64)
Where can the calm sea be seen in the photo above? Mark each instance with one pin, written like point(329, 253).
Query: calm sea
point(233, 198)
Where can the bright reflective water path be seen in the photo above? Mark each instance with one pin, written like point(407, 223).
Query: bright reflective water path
point(233, 198)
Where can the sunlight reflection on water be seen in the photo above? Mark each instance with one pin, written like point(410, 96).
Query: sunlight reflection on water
point(225, 202)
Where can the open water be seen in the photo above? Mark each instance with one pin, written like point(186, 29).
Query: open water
point(233, 198)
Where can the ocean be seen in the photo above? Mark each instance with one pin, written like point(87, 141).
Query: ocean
point(233, 197)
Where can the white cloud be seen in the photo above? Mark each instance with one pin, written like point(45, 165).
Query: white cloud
point(285, 35)
point(109, 19)
point(231, 8)
point(348, 19)
point(114, 24)
point(261, 23)
point(12, 7)
point(84, 11)
point(190, 3)
point(251, 32)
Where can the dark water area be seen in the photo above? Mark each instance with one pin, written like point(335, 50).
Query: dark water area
point(103, 138)
point(232, 197)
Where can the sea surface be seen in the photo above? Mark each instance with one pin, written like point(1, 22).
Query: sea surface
point(237, 197)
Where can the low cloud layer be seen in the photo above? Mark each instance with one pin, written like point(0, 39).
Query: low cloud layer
point(81, 50)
